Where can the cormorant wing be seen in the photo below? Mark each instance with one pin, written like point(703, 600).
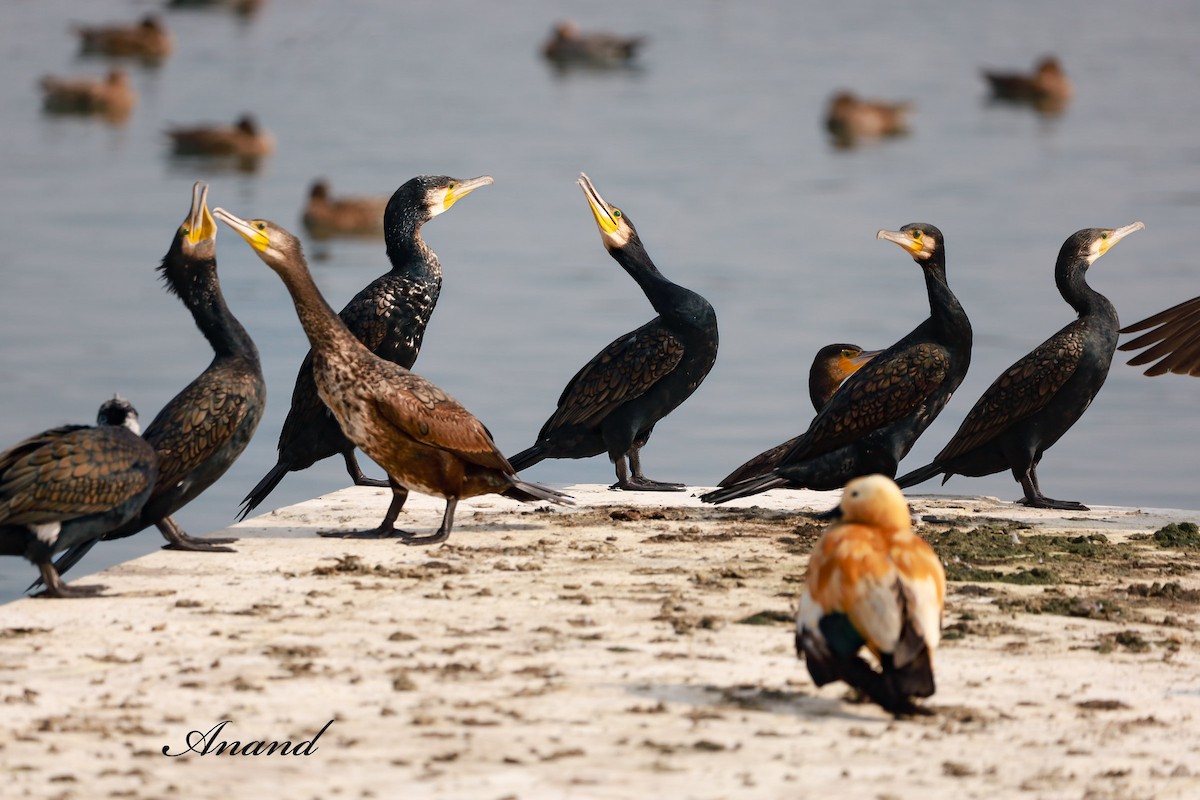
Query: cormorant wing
point(622, 371)
point(1176, 340)
point(426, 414)
point(886, 390)
point(1021, 390)
point(376, 312)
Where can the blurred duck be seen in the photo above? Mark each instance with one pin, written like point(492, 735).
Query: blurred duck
point(830, 368)
point(243, 139)
point(568, 46)
point(71, 485)
point(147, 39)
point(111, 97)
point(422, 437)
point(851, 118)
point(244, 8)
point(1048, 89)
point(1174, 341)
point(872, 582)
point(326, 216)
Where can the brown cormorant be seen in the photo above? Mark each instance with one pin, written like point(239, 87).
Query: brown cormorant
point(830, 368)
point(613, 403)
point(148, 40)
point(1036, 400)
point(569, 46)
point(72, 484)
point(873, 583)
point(420, 435)
point(849, 118)
point(111, 97)
point(202, 430)
point(877, 415)
point(1175, 340)
point(1047, 89)
point(326, 216)
point(388, 316)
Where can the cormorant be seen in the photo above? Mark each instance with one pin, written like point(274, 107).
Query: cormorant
point(830, 368)
point(872, 582)
point(613, 403)
point(850, 118)
point(1048, 89)
point(202, 430)
point(326, 216)
point(1036, 400)
point(243, 139)
point(569, 46)
point(112, 97)
point(420, 435)
point(877, 415)
point(72, 484)
point(148, 40)
point(1175, 340)
point(389, 316)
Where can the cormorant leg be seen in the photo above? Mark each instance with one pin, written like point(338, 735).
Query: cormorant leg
point(1035, 499)
point(387, 528)
point(56, 588)
point(356, 473)
point(443, 533)
point(178, 540)
point(639, 482)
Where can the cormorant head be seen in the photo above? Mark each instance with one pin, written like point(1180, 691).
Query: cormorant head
point(831, 366)
point(875, 501)
point(920, 239)
point(119, 411)
point(279, 249)
point(198, 234)
point(1090, 243)
point(424, 197)
point(616, 230)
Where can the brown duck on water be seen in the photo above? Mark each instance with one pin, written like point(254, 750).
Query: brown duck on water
point(420, 435)
point(111, 97)
point(569, 46)
point(326, 216)
point(71, 485)
point(148, 39)
point(1047, 89)
point(388, 316)
point(243, 139)
point(850, 119)
point(833, 364)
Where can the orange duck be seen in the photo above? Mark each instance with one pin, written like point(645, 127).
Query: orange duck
point(873, 583)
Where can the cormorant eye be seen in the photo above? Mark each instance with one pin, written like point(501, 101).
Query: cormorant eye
point(262, 226)
point(451, 186)
point(616, 213)
point(184, 230)
point(916, 235)
point(1104, 235)
point(846, 354)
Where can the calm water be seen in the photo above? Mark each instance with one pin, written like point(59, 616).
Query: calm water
point(714, 147)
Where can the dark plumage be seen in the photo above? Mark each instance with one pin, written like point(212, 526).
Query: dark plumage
point(1047, 89)
point(877, 415)
point(111, 97)
point(148, 39)
point(202, 430)
point(388, 316)
point(420, 435)
point(830, 368)
point(326, 216)
point(849, 118)
point(71, 485)
point(1036, 400)
point(613, 403)
point(1175, 340)
point(569, 46)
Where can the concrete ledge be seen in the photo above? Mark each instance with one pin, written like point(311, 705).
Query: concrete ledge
point(604, 651)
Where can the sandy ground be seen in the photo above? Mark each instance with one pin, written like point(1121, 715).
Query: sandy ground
point(637, 646)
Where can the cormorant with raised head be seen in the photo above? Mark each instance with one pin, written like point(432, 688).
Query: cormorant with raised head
point(388, 316)
point(70, 485)
point(613, 403)
point(420, 435)
point(202, 430)
point(874, 419)
point(830, 368)
point(1036, 400)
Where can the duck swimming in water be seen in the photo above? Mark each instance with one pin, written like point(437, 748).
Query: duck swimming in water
point(326, 216)
point(569, 46)
point(1047, 89)
point(111, 97)
point(850, 119)
point(148, 40)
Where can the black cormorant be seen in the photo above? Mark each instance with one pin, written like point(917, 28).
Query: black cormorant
point(420, 435)
point(389, 316)
point(830, 368)
point(72, 484)
point(1036, 400)
point(613, 403)
point(202, 430)
point(877, 415)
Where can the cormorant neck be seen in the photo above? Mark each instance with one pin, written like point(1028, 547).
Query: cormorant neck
point(197, 286)
point(323, 327)
point(665, 296)
point(821, 387)
point(944, 309)
point(406, 250)
point(1073, 286)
